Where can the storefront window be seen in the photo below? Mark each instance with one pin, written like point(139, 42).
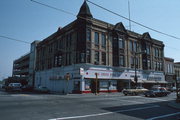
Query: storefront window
point(113, 85)
point(103, 85)
point(87, 85)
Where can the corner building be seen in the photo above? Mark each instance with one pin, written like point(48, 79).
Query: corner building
point(88, 46)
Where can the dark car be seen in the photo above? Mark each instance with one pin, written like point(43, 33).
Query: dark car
point(27, 88)
point(157, 92)
point(41, 89)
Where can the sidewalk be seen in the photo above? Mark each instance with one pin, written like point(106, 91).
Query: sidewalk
point(175, 105)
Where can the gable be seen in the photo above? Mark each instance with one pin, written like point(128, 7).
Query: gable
point(119, 27)
point(146, 36)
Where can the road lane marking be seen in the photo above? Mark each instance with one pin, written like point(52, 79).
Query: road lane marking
point(163, 116)
point(158, 99)
point(106, 113)
point(133, 101)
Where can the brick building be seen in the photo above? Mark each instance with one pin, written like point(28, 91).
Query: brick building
point(87, 46)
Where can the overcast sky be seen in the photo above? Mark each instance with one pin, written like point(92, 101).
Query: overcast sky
point(28, 21)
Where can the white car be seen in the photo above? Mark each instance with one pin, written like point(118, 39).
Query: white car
point(14, 87)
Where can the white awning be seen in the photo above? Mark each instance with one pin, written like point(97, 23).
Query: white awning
point(148, 81)
point(139, 81)
point(162, 82)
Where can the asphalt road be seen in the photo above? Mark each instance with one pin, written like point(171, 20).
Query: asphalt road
point(21, 106)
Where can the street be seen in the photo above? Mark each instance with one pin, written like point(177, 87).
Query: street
point(112, 106)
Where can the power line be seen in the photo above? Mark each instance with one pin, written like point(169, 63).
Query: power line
point(134, 21)
point(67, 12)
point(172, 47)
point(64, 11)
point(14, 39)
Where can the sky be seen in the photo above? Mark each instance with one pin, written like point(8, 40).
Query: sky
point(28, 21)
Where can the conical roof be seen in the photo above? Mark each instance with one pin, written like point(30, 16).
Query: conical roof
point(85, 11)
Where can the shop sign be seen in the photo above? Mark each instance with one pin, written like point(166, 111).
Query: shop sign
point(81, 71)
point(154, 78)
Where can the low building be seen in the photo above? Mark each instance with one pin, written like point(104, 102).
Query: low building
point(177, 71)
point(88, 49)
point(169, 71)
point(24, 67)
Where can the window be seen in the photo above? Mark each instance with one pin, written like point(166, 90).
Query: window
point(82, 57)
point(148, 49)
point(88, 56)
point(58, 61)
point(158, 66)
point(96, 58)
point(135, 46)
point(161, 68)
point(67, 41)
point(160, 53)
point(137, 61)
point(155, 65)
point(149, 64)
point(121, 60)
point(87, 85)
point(96, 38)
point(88, 35)
point(156, 52)
point(70, 58)
point(131, 45)
point(103, 40)
point(121, 43)
point(103, 58)
point(132, 62)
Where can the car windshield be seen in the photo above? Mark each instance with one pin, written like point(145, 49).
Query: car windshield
point(17, 85)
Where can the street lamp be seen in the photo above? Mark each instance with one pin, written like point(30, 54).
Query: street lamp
point(135, 77)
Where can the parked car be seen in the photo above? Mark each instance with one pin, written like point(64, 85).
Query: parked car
point(135, 91)
point(41, 89)
point(171, 89)
point(27, 88)
point(14, 87)
point(159, 91)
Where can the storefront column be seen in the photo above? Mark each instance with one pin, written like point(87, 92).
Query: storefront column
point(82, 84)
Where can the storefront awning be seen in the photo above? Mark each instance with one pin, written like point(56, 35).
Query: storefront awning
point(162, 82)
point(148, 81)
point(139, 81)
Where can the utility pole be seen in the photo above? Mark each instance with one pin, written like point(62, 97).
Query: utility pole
point(96, 83)
point(67, 76)
point(135, 56)
point(129, 15)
